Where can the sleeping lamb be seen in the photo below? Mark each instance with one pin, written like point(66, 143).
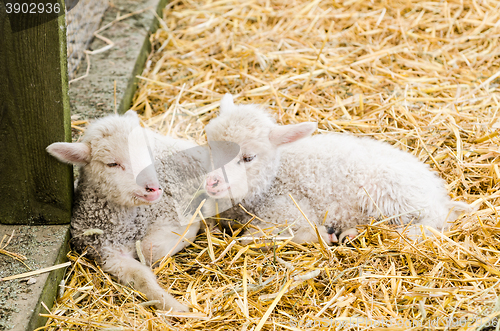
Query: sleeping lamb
point(354, 179)
point(118, 199)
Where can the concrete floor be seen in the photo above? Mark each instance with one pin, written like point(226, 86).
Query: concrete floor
point(21, 299)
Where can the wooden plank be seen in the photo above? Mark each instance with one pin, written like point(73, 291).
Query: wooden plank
point(34, 112)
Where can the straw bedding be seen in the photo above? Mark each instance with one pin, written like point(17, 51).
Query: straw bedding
point(422, 75)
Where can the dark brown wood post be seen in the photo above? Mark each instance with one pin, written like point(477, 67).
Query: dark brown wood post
point(34, 112)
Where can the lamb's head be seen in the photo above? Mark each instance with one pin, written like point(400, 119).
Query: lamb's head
point(259, 139)
point(116, 159)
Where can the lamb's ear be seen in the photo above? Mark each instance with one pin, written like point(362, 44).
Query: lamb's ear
point(285, 134)
point(227, 103)
point(74, 153)
point(132, 114)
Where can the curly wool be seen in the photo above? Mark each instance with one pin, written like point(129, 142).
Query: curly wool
point(119, 198)
point(123, 225)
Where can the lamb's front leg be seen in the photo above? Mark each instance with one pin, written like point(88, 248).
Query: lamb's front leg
point(163, 239)
point(128, 270)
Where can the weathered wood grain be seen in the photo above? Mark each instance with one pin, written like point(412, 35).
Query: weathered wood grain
point(34, 112)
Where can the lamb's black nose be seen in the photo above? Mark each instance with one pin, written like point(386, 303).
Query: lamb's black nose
point(330, 230)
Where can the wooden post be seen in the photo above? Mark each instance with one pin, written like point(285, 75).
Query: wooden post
point(34, 112)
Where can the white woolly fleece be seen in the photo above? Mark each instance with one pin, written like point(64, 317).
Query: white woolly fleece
point(354, 179)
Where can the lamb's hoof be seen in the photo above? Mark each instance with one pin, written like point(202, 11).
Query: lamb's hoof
point(349, 233)
point(327, 234)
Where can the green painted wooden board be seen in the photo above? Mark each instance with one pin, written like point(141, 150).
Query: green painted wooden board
point(34, 112)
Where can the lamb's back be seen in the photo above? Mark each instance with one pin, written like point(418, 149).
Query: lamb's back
point(343, 159)
point(349, 170)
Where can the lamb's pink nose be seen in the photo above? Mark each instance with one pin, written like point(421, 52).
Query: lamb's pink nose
point(153, 192)
point(214, 180)
point(333, 238)
point(152, 188)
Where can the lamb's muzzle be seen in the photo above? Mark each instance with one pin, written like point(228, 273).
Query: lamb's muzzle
point(152, 194)
point(216, 186)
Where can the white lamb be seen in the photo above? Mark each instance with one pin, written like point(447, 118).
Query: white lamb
point(354, 179)
point(118, 199)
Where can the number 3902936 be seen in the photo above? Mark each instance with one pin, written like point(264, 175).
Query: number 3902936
point(32, 8)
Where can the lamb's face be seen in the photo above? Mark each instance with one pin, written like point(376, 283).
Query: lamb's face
point(259, 138)
point(123, 168)
point(116, 159)
point(248, 127)
point(244, 173)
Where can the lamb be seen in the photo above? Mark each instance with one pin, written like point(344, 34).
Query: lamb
point(354, 179)
point(129, 178)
